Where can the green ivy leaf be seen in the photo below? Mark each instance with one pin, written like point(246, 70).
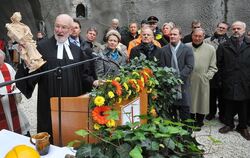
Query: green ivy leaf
point(173, 130)
point(169, 143)
point(161, 135)
point(82, 132)
point(180, 146)
point(112, 114)
point(84, 151)
point(148, 127)
point(154, 146)
point(70, 144)
point(123, 150)
point(193, 147)
point(139, 136)
point(136, 152)
point(163, 129)
point(117, 134)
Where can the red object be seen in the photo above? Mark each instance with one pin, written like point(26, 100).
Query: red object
point(2, 45)
point(12, 104)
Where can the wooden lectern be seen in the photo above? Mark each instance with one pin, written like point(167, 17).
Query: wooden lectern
point(76, 115)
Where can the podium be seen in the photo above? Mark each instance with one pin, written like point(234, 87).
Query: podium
point(75, 114)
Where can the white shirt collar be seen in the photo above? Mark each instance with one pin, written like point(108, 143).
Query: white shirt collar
point(60, 50)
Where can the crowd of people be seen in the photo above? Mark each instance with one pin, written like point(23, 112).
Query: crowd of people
point(215, 69)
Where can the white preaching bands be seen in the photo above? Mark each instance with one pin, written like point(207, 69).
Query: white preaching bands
point(60, 50)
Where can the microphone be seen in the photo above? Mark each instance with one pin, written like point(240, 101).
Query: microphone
point(92, 54)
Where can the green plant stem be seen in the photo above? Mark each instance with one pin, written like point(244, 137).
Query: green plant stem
point(90, 132)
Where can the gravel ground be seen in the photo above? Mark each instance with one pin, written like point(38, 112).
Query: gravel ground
point(216, 145)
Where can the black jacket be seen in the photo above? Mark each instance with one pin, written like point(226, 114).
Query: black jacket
point(144, 50)
point(234, 69)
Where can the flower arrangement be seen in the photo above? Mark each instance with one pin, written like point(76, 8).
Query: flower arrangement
point(159, 137)
point(125, 87)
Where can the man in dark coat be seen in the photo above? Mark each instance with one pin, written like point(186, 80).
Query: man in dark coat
point(146, 50)
point(195, 24)
point(219, 37)
point(181, 58)
point(56, 51)
point(130, 35)
point(233, 58)
point(75, 36)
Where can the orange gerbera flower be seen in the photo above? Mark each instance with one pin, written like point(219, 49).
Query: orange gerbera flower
point(99, 114)
point(118, 87)
point(133, 83)
point(148, 71)
point(145, 76)
point(141, 84)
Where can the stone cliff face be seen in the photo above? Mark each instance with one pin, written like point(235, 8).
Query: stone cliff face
point(100, 12)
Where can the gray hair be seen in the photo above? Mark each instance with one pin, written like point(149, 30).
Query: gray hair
point(199, 29)
point(115, 33)
point(241, 23)
point(170, 24)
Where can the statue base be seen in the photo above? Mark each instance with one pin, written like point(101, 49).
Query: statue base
point(36, 64)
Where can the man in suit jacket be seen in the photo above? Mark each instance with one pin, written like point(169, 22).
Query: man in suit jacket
point(181, 58)
point(75, 36)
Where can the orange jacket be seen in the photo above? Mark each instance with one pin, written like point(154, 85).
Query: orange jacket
point(137, 41)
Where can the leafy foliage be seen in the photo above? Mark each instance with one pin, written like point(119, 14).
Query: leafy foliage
point(159, 137)
point(165, 92)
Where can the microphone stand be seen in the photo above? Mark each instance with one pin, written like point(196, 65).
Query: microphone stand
point(59, 71)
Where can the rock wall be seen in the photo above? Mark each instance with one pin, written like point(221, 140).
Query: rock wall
point(100, 12)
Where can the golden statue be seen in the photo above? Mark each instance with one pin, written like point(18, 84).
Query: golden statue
point(21, 33)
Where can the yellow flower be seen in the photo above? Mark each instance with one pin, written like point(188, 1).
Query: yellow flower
point(118, 79)
point(110, 123)
point(143, 81)
point(153, 112)
point(135, 73)
point(108, 80)
point(146, 74)
point(99, 101)
point(129, 92)
point(125, 85)
point(97, 126)
point(119, 100)
point(137, 88)
point(149, 90)
point(111, 94)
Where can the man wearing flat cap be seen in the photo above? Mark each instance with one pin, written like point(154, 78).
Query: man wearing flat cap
point(152, 21)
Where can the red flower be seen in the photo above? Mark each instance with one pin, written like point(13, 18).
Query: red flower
point(98, 114)
point(118, 87)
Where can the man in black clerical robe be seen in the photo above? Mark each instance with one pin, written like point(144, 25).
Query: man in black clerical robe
point(74, 79)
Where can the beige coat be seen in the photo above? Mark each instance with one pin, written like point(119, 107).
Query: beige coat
point(204, 70)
